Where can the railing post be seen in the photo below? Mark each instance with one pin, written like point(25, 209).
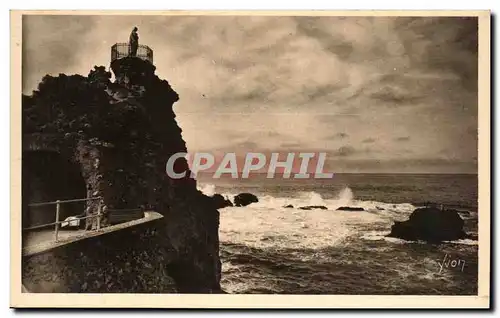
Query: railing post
point(58, 210)
point(99, 207)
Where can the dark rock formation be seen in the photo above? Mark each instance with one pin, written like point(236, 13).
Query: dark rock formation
point(350, 208)
point(244, 199)
point(313, 207)
point(288, 206)
point(115, 138)
point(430, 224)
point(221, 202)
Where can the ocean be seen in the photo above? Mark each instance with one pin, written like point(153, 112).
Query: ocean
point(268, 249)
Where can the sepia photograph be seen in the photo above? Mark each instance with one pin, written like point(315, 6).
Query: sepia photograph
point(252, 154)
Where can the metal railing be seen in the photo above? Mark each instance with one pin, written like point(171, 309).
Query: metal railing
point(120, 50)
point(58, 210)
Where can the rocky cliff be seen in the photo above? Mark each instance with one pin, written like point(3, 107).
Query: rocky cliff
point(120, 135)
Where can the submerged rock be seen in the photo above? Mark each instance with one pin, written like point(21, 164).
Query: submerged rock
point(350, 208)
point(221, 202)
point(430, 224)
point(244, 199)
point(312, 207)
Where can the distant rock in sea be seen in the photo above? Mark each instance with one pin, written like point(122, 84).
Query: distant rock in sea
point(350, 208)
point(430, 224)
point(244, 199)
point(313, 207)
point(221, 202)
point(288, 206)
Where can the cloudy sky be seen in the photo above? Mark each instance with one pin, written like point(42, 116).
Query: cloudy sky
point(378, 94)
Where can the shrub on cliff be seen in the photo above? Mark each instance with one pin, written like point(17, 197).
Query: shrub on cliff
point(64, 104)
point(78, 106)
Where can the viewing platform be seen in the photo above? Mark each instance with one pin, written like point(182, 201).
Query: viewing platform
point(121, 50)
point(43, 240)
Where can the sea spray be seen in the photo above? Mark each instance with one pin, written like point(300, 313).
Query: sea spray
point(207, 189)
point(314, 198)
point(345, 196)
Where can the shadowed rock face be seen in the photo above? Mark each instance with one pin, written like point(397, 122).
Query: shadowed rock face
point(430, 224)
point(120, 135)
point(221, 202)
point(49, 177)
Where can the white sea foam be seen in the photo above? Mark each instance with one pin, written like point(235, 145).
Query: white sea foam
point(464, 242)
point(207, 189)
point(269, 223)
point(382, 236)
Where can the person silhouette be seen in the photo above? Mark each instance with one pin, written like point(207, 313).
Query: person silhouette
point(133, 42)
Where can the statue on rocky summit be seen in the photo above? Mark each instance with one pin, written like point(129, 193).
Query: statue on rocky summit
point(133, 42)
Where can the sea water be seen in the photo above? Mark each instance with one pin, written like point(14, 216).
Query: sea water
point(267, 248)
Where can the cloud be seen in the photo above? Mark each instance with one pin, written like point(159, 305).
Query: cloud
point(339, 135)
point(347, 151)
point(402, 139)
point(290, 145)
point(431, 165)
point(49, 45)
point(279, 82)
point(450, 46)
point(394, 97)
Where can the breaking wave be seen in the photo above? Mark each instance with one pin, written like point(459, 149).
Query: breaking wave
point(270, 223)
point(269, 248)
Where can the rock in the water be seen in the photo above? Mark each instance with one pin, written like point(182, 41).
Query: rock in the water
point(430, 224)
point(288, 206)
point(349, 208)
point(380, 208)
point(244, 199)
point(221, 202)
point(312, 207)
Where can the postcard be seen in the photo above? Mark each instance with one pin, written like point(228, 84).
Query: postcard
point(239, 159)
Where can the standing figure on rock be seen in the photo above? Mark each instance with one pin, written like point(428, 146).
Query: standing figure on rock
point(133, 42)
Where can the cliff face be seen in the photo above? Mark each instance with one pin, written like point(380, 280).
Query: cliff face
point(121, 134)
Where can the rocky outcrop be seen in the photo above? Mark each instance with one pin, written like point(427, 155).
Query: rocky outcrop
point(350, 208)
point(288, 206)
point(430, 224)
point(244, 199)
point(313, 207)
point(120, 135)
point(221, 202)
